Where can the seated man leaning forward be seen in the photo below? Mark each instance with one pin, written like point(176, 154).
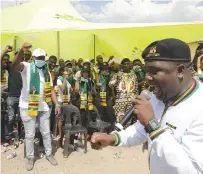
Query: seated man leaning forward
point(172, 121)
point(37, 91)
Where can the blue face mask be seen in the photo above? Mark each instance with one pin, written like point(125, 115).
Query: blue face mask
point(39, 63)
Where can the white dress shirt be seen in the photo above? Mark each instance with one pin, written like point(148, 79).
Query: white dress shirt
point(25, 74)
point(179, 150)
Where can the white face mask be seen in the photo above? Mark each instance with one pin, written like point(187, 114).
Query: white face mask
point(39, 63)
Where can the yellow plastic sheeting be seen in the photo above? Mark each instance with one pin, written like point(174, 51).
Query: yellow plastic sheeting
point(46, 41)
point(73, 44)
point(6, 39)
point(104, 48)
point(123, 41)
point(76, 44)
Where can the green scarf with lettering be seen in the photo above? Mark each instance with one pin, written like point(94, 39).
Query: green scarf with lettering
point(34, 93)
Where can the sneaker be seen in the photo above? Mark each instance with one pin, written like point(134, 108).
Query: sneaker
point(29, 164)
point(52, 160)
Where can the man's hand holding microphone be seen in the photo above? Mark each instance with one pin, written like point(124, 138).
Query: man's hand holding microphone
point(143, 110)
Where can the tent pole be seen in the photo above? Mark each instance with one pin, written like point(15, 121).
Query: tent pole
point(14, 45)
point(58, 44)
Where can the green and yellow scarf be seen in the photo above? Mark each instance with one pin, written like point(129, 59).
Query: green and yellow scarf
point(102, 93)
point(4, 75)
point(56, 91)
point(85, 95)
point(34, 93)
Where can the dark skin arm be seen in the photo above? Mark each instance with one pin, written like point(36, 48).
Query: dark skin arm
point(100, 140)
point(7, 50)
point(110, 58)
point(16, 64)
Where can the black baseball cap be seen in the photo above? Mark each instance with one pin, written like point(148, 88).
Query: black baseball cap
point(170, 49)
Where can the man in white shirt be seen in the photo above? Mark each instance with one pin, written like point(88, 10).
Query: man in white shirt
point(172, 120)
point(33, 104)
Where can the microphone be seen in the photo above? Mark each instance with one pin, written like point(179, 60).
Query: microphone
point(119, 126)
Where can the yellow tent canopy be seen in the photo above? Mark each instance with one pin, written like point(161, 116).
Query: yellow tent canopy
point(39, 22)
point(130, 42)
point(40, 15)
point(57, 27)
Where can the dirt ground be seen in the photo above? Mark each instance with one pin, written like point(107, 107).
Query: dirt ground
point(127, 161)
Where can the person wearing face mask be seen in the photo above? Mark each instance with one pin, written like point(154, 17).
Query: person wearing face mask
point(138, 69)
point(69, 66)
point(104, 105)
point(102, 81)
point(123, 96)
point(34, 106)
point(64, 99)
point(85, 86)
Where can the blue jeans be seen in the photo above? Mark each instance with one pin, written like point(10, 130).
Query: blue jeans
point(29, 126)
point(12, 107)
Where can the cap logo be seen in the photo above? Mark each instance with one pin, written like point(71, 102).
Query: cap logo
point(153, 52)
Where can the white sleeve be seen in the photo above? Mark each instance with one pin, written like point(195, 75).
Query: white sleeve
point(184, 156)
point(59, 82)
point(26, 65)
point(134, 135)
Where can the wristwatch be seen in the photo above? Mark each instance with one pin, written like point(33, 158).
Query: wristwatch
point(152, 126)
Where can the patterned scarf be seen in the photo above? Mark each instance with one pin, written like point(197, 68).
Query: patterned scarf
point(104, 82)
point(4, 75)
point(56, 91)
point(85, 94)
point(34, 93)
point(66, 93)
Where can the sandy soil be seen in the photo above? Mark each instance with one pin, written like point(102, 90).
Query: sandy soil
point(129, 161)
